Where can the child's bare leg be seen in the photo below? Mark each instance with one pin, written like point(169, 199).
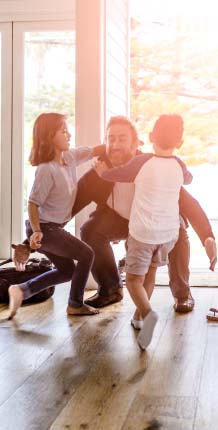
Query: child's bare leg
point(149, 283)
point(138, 294)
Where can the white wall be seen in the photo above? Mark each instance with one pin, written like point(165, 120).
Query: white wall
point(90, 89)
point(102, 58)
point(117, 57)
point(102, 66)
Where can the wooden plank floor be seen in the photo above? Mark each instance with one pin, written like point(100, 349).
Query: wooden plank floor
point(86, 373)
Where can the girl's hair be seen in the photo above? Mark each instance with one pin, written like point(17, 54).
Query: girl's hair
point(123, 120)
point(44, 129)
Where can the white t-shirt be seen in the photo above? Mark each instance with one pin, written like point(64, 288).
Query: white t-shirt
point(121, 198)
point(154, 216)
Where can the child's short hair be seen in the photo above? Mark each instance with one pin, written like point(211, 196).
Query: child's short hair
point(123, 120)
point(167, 131)
point(44, 129)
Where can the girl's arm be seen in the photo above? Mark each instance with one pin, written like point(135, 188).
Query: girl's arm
point(36, 237)
point(82, 154)
point(98, 151)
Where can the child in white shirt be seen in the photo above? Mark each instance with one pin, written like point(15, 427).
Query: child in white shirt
point(154, 218)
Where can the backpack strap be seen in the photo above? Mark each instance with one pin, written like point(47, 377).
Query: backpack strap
point(6, 261)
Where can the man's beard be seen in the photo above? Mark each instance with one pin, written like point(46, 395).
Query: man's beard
point(117, 158)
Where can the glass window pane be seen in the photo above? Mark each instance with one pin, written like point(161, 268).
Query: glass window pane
point(49, 87)
point(173, 71)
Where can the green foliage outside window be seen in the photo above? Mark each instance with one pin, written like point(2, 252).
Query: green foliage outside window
point(171, 72)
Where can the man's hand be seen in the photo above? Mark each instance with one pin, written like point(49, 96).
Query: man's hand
point(211, 250)
point(21, 256)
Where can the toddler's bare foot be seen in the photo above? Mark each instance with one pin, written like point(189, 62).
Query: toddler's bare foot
point(15, 300)
point(82, 310)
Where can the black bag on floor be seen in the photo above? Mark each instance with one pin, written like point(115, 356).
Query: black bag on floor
point(10, 276)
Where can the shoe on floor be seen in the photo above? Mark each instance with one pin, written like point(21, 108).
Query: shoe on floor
point(184, 305)
point(212, 315)
point(136, 324)
point(146, 333)
point(98, 300)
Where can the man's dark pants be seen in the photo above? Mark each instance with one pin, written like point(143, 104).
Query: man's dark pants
point(105, 226)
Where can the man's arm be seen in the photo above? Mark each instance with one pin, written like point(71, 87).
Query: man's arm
point(92, 188)
point(191, 209)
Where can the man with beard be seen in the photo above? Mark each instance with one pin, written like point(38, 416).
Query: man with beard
point(109, 222)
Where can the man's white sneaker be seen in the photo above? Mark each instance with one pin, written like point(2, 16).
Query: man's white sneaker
point(146, 333)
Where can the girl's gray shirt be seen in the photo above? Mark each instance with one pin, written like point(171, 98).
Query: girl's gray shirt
point(55, 186)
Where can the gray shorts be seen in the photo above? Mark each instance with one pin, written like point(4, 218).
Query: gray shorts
point(140, 256)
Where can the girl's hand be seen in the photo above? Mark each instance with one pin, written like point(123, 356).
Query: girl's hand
point(35, 240)
point(21, 256)
point(98, 150)
point(100, 167)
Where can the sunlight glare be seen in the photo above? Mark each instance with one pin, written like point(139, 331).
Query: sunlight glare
point(185, 8)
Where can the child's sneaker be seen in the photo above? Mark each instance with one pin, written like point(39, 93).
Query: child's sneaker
point(146, 333)
point(136, 324)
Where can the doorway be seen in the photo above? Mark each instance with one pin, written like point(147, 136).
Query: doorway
point(37, 75)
